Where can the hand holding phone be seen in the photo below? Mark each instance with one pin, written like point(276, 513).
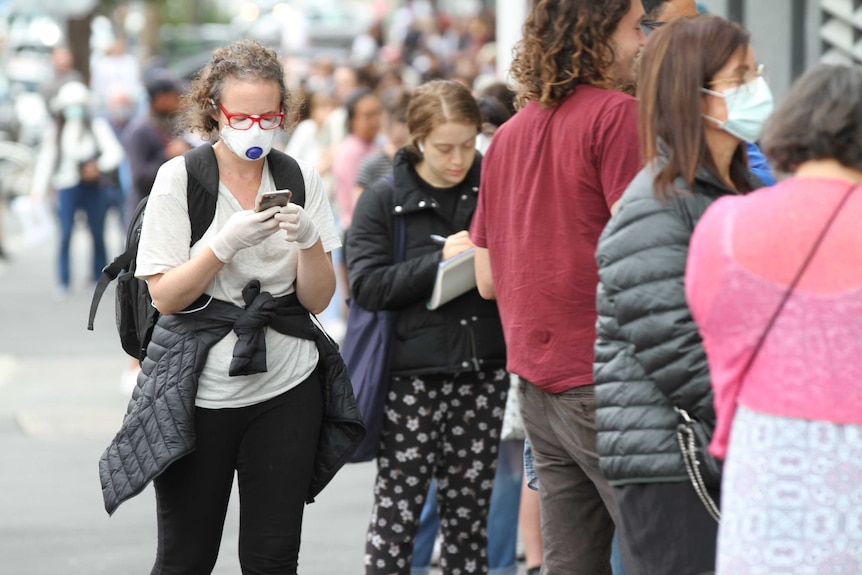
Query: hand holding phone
point(270, 199)
point(243, 230)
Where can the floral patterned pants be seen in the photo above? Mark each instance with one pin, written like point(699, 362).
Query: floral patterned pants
point(449, 427)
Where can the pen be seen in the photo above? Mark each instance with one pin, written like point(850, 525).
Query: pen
point(438, 239)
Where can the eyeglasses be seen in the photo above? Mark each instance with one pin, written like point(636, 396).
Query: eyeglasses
point(748, 77)
point(246, 121)
point(650, 26)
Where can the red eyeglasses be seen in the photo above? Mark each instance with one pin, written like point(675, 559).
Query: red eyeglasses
point(246, 121)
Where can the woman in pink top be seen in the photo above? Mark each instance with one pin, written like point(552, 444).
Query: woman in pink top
point(790, 427)
point(364, 117)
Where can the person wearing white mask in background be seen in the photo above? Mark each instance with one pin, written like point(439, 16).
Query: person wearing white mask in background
point(701, 98)
point(257, 419)
point(77, 151)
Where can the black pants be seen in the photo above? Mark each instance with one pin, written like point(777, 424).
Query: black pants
point(271, 446)
point(449, 427)
point(665, 530)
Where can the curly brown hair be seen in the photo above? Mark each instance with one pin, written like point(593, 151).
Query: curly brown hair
point(241, 60)
point(566, 43)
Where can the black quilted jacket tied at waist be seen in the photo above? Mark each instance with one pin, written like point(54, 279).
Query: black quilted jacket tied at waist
point(158, 428)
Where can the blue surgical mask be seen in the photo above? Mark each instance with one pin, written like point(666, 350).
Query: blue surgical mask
point(74, 112)
point(748, 107)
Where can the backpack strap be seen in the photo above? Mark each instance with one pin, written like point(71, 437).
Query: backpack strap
point(287, 175)
point(202, 188)
point(113, 269)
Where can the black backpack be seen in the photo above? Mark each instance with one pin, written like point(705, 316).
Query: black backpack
point(136, 316)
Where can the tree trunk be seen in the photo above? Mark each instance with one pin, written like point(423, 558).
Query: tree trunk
point(150, 34)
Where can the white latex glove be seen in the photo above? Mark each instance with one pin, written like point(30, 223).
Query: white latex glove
point(243, 230)
point(298, 226)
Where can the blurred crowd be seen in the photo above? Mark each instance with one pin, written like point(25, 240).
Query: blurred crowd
point(399, 51)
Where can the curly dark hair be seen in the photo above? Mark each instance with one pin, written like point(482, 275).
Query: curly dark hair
point(566, 43)
point(241, 60)
point(820, 119)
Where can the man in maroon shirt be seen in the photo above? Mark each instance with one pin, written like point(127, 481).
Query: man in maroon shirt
point(549, 181)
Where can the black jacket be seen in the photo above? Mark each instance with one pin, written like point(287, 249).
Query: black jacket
point(462, 335)
point(648, 354)
point(158, 428)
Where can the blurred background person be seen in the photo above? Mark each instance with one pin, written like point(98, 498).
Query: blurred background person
point(152, 139)
point(494, 114)
point(149, 141)
point(308, 141)
point(448, 383)
point(344, 82)
point(112, 70)
point(787, 401)
point(76, 150)
point(698, 81)
point(62, 71)
point(119, 110)
point(363, 120)
point(394, 135)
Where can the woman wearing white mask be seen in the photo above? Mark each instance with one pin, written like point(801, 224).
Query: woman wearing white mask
point(77, 151)
point(701, 97)
point(260, 422)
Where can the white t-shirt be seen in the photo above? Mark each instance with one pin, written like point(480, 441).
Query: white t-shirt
point(164, 245)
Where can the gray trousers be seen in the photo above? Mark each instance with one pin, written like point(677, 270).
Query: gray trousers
point(576, 501)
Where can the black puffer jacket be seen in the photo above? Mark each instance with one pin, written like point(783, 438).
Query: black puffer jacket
point(462, 335)
point(158, 428)
point(649, 354)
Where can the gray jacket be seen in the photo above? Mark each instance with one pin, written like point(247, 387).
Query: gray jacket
point(648, 353)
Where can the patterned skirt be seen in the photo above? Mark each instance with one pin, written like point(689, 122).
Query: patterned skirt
point(791, 498)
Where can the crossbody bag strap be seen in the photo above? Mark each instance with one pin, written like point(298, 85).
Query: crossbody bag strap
point(812, 252)
point(685, 432)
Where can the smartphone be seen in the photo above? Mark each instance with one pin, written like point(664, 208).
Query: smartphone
point(270, 199)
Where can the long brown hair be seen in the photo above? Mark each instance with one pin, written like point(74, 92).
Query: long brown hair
point(678, 61)
point(566, 43)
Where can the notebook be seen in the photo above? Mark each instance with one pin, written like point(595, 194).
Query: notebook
point(455, 276)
